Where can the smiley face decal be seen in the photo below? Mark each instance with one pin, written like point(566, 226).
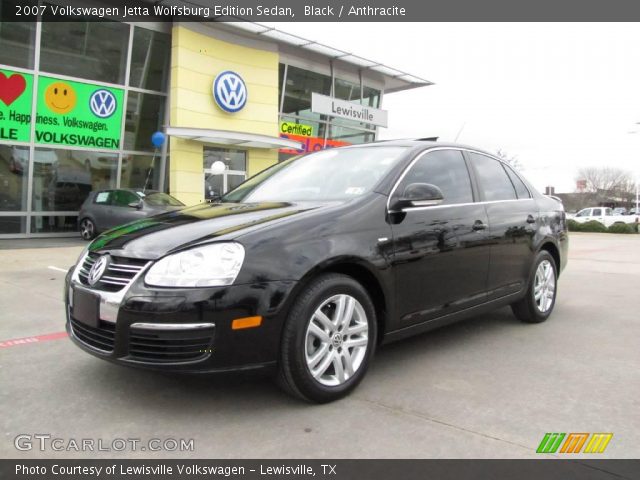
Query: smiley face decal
point(60, 97)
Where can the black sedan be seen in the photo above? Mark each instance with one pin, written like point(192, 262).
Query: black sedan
point(105, 209)
point(310, 265)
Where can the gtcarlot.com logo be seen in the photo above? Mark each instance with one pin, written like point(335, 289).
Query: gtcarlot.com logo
point(44, 442)
point(574, 442)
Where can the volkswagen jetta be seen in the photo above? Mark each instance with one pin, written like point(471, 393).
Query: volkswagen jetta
point(311, 264)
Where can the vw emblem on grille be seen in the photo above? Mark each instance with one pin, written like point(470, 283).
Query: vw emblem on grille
point(98, 269)
point(230, 91)
point(103, 103)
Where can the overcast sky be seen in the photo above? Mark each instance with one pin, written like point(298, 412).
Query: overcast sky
point(558, 96)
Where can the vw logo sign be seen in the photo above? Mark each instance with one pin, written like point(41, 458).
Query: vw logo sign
point(103, 103)
point(229, 91)
point(98, 269)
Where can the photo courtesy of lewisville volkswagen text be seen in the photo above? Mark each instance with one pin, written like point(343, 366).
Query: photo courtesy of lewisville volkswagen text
point(364, 239)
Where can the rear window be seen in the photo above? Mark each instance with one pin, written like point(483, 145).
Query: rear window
point(102, 198)
point(162, 200)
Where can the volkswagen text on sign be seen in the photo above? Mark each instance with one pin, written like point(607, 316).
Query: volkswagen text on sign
point(352, 111)
point(230, 91)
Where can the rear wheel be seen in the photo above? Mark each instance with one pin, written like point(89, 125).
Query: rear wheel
point(87, 229)
point(538, 303)
point(328, 340)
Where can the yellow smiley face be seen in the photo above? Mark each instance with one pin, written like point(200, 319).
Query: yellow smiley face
point(60, 97)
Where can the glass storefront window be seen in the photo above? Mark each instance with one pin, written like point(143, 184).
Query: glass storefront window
point(144, 116)
point(62, 179)
point(91, 50)
point(216, 185)
point(140, 171)
point(54, 223)
point(13, 225)
point(17, 39)
point(371, 97)
point(346, 90)
point(299, 85)
point(149, 59)
point(14, 175)
point(350, 135)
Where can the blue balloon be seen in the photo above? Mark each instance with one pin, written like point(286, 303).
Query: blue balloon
point(157, 139)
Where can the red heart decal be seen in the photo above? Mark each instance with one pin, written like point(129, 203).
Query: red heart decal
point(11, 87)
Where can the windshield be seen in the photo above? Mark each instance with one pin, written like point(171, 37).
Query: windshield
point(336, 174)
point(162, 200)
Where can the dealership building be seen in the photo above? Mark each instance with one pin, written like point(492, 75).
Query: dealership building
point(81, 101)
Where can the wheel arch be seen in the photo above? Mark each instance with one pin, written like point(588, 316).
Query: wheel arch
point(363, 273)
point(553, 250)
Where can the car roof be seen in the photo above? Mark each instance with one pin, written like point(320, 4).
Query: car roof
point(421, 143)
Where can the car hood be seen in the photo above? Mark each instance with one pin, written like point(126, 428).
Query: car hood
point(156, 236)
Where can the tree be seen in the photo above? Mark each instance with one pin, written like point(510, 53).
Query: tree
point(610, 181)
point(510, 159)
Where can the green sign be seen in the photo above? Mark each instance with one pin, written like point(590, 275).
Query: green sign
point(16, 94)
point(78, 114)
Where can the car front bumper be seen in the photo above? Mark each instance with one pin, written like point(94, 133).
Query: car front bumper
point(179, 329)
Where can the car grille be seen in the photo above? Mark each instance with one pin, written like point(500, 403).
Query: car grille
point(118, 275)
point(174, 346)
point(101, 338)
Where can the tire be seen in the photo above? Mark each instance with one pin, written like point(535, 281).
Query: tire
point(319, 361)
point(543, 280)
point(88, 229)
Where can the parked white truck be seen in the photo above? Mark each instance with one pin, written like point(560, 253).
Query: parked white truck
point(603, 215)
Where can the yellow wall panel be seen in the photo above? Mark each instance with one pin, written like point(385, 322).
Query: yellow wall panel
point(196, 59)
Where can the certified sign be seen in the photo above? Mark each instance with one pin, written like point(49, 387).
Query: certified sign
point(230, 91)
point(349, 110)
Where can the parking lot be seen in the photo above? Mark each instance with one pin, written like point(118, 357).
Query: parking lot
point(490, 387)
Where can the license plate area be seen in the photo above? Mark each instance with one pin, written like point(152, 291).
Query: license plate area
point(86, 307)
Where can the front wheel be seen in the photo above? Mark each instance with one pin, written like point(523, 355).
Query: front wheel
point(87, 229)
point(538, 303)
point(328, 340)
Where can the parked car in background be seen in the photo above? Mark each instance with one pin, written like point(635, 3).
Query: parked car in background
point(604, 215)
point(620, 211)
point(45, 161)
point(105, 209)
point(309, 265)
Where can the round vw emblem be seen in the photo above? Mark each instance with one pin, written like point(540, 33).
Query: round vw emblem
point(98, 269)
point(103, 103)
point(229, 91)
point(336, 340)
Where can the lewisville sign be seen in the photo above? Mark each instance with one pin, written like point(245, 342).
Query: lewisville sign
point(352, 111)
point(67, 113)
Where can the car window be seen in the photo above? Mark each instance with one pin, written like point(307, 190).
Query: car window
point(162, 199)
point(447, 170)
point(607, 211)
point(584, 213)
point(494, 181)
point(597, 212)
point(521, 189)
point(122, 198)
point(102, 198)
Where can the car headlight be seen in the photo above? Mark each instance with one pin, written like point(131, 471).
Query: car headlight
point(209, 266)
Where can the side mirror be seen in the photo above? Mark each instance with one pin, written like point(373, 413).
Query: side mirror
point(419, 195)
point(137, 205)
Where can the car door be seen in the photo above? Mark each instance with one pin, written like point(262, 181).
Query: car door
point(121, 212)
point(597, 214)
point(583, 215)
point(440, 256)
point(513, 219)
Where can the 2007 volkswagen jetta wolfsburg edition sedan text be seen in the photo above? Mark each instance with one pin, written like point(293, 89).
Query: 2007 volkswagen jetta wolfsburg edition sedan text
point(312, 263)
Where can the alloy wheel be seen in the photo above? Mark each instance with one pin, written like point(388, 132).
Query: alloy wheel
point(87, 229)
point(336, 340)
point(544, 286)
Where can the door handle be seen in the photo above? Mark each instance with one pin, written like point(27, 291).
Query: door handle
point(530, 219)
point(478, 225)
